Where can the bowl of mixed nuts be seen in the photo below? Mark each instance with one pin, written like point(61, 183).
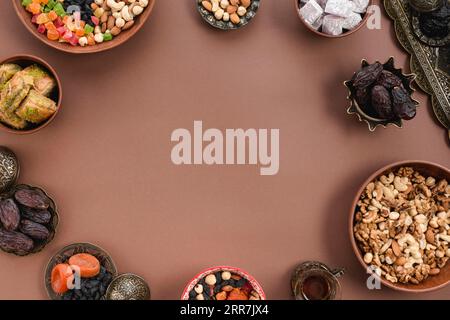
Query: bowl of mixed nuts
point(83, 26)
point(223, 283)
point(400, 226)
point(228, 14)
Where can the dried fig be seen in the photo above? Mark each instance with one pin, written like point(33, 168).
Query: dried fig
point(389, 80)
point(367, 75)
point(9, 214)
point(32, 198)
point(12, 241)
point(34, 230)
point(39, 216)
point(381, 102)
point(404, 107)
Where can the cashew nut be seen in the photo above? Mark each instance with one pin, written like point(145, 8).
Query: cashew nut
point(387, 180)
point(401, 183)
point(83, 41)
point(126, 15)
point(137, 10)
point(143, 3)
point(219, 14)
point(241, 11)
point(115, 6)
point(98, 37)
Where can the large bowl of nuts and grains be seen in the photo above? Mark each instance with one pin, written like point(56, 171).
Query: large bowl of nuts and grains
point(83, 26)
point(400, 225)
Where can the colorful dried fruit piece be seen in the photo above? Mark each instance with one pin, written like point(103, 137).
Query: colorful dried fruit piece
point(34, 8)
point(389, 80)
point(381, 102)
point(15, 242)
point(61, 277)
point(32, 198)
point(88, 265)
point(9, 214)
point(34, 230)
point(367, 75)
point(404, 107)
point(237, 294)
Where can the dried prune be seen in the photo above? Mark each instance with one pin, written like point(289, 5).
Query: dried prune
point(9, 214)
point(389, 80)
point(403, 106)
point(367, 75)
point(39, 216)
point(34, 230)
point(381, 102)
point(12, 241)
point(32, 199)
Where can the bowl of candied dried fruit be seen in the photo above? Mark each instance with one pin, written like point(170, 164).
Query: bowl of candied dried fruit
point(223, 283)
point(381, 94)
point(399, 225)
point(80, 271)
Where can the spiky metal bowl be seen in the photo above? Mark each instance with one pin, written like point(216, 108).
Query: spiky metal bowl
point(369, 116)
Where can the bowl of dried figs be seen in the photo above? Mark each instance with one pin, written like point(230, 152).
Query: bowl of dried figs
point(80, 271)
point(333, 18)
point(28, 216)
point(381, 94)
point(223, 283)
point(400, 226)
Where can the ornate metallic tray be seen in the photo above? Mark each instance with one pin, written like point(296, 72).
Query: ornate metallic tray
point(431, 64)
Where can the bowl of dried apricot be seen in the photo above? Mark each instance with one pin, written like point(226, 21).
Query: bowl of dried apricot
point(83, 26)
point(223, 283)
point(80, 271)
point(400, 226)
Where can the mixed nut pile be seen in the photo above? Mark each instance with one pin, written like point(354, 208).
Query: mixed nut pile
point(24, 95)
point(25, 221)
point(223, 285)
point(333, 17)
point(381, 93)
point(84, 22)
point(93, 278)
point(402, 225)
point(227, 10)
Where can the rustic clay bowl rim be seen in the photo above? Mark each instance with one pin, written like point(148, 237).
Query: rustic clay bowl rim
point(345, 34)
point(192, 283)
point(123, 37)
point(122, 275)
point(41, 62)
point(53, 224)
point(392, 167)
point(85, 246)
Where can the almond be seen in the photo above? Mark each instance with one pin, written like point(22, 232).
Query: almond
point(111, 23)
point(434, 271)
point(207, 5)
point(231, 9)
point(429, 235)
point(235, 18)
point(400, 261)
point(128, 25)
point(246, 3)
point(104, 17)
point(115, 31)
point(396, 248)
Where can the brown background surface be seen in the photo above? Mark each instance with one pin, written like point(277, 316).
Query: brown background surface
point(106, 157)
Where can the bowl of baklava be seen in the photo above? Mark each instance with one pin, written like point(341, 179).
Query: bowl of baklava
point(30, 94)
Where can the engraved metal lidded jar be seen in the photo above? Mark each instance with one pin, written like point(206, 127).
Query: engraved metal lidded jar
point(128, 286)
point(9, 169)
point(426, 5)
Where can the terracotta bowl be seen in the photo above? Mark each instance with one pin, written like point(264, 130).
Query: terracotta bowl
point(24, 60)
point(65, 253)
point(427, 169)
point(345, 34)
point(25, 17)
point(190, 286)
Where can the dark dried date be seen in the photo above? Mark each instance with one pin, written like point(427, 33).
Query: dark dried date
point(389, 80)
point(381, 102)
point(367, 75)
point(404, 107)
point(363, 97)
point(12, 241)
point(9, 214)
point(34, 230)
point(32, 199)
point(39, 216)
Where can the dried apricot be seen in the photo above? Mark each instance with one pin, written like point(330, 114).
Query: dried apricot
point(88, 264)
point(61, 276)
